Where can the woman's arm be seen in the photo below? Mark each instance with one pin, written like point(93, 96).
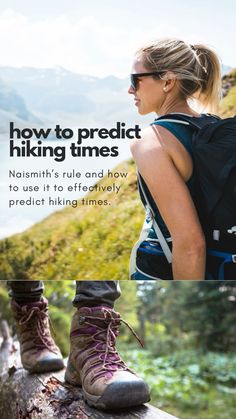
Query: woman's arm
point(163, 174)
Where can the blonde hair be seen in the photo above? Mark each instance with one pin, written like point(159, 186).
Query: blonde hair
point(196, 67)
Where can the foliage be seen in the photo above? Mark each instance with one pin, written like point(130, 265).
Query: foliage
point(192, 313)
point(189, 384)
point(60, 295)
point(5, 312)
point(228, 104)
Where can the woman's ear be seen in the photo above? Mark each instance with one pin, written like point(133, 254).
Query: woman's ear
point(169, 81)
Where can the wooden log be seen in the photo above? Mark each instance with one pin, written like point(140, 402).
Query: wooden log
point(46, 396)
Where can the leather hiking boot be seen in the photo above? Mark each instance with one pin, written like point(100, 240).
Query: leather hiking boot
point(39, 353)
point(95, 364)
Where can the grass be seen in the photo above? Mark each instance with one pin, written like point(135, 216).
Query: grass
point(87, 242)
point(228, 104)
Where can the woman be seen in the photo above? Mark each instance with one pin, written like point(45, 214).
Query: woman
point(165, 75)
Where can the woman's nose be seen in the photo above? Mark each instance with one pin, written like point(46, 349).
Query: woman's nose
point(131, 90)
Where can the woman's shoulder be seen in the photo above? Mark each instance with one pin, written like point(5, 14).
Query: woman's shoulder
point(151, 137)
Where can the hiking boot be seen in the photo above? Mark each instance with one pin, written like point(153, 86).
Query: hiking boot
point(39, 353)
point(95, 364)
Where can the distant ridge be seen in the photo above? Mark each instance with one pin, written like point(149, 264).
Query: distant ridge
point(13, 107)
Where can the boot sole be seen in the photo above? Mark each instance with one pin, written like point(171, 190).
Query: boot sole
point(105, 403)
point(116, 395)
point(122, 399)
point(45, 366)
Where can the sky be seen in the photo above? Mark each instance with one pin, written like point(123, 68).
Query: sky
point(99, 38)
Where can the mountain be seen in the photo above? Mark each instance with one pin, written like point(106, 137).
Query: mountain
point(13, 107)
point(56, 95)
point(60, 95)
point(87, 242)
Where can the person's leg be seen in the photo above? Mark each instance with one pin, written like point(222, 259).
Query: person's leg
point(96, 293)
point(24, 292)
point(38, 350)
point(94, 361)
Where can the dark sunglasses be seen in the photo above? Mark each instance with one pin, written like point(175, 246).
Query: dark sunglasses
point(134, 78)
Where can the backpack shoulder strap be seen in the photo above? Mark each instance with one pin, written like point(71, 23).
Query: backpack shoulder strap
point(159, 234)
point(195, 122)
point(180, 129)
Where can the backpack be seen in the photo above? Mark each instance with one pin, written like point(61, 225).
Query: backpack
point(214, 158)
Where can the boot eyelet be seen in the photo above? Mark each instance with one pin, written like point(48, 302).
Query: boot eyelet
point(81, 319)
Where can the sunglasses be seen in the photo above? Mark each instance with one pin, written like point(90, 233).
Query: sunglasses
point(134, 78)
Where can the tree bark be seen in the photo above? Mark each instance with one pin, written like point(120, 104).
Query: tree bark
point(46, 396)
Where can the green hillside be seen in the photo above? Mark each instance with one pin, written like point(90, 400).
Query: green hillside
point(228, 104)
point(87, 242)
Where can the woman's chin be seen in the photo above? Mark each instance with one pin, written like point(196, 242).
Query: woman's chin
point(142, 111)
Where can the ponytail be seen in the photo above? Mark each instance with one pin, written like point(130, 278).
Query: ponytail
point(196, 67)
point(210, 81)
